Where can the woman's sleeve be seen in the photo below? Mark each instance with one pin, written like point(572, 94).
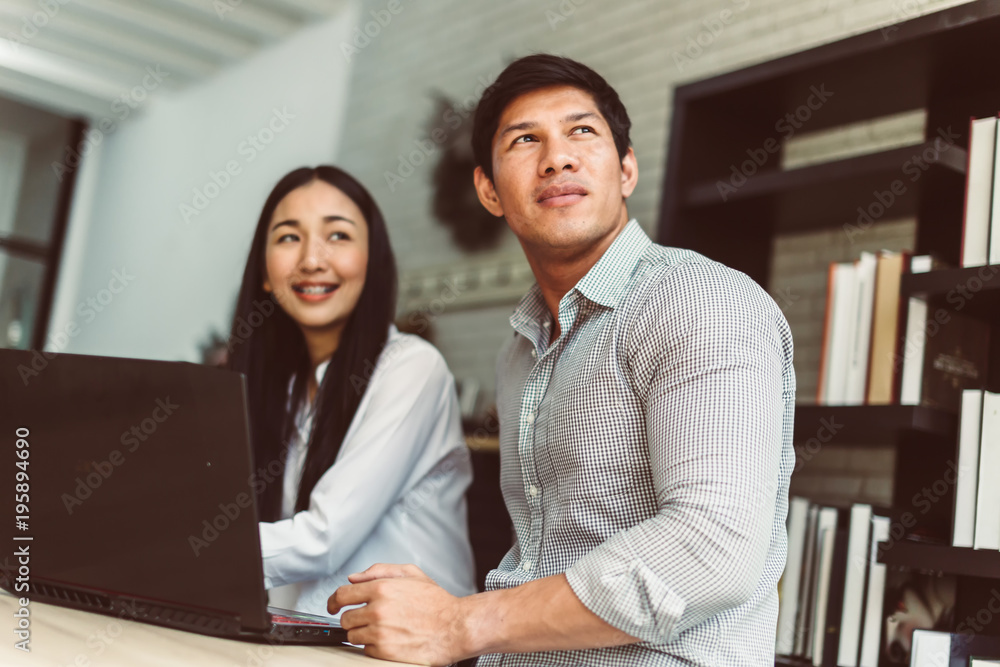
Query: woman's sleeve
point(412, 399)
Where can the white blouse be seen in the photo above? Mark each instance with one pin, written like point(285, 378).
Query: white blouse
point(396, 493)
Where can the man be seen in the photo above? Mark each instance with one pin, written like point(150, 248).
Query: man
point(646, 401)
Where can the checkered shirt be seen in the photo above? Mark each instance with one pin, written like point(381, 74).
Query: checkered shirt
point(646, 454)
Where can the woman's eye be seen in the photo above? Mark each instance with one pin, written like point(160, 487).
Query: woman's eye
point(292, 237)
point(339, 236)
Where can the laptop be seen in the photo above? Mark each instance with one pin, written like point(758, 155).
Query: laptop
point(134, 484)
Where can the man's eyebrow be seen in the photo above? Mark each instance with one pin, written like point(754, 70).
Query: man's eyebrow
point(326, 218)
point(530, 124)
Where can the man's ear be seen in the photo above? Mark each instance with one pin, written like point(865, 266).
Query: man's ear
point(487, 193)
point(630, 173)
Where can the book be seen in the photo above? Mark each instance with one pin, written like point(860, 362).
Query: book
point(858, 554)
point(871, 635)
point(956, 354)
point(914, 601)
point(788, 608)
point(967, 482)
point(841, 320)
point(994, 249)
point(860, 335)
point(886, 319)
point(988, 494)
point(827, 530)
point(952, 649)
point(807, 587)
point(913, 351)
point(978, 191)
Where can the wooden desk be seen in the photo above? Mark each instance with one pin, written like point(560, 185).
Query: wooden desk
point(63, 637)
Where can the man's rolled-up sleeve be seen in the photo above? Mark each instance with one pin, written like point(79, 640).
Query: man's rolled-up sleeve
point(706, 357)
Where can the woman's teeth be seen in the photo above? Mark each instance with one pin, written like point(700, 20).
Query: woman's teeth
point(315, 289)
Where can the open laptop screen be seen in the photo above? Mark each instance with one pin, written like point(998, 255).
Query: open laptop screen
point(139, 480)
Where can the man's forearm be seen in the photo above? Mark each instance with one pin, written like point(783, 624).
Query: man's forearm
point(541, 615)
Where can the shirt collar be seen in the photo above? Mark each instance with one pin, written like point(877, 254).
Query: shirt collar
point(608, 279)
point(605, 283)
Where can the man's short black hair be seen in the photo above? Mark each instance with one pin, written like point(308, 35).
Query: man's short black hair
point(537, 71)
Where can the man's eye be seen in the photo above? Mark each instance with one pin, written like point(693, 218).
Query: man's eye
point(583, 129)
point(526, 137)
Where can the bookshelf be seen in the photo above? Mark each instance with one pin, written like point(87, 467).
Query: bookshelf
point(939, 62)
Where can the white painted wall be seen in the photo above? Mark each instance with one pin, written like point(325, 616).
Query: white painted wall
point(182, 277)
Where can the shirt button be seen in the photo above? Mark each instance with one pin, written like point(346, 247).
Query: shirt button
point(533, 490)
point(527, 565)
point(530, 418)
point(534, 354)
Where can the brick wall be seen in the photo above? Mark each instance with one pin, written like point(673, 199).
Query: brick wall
point(644, 48)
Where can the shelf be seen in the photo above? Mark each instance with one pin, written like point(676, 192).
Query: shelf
point(830, 194)
point(791, 661)
point(975, 289)
point(870, 424)
point(941, 558)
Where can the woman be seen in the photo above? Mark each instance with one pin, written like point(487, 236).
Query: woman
point(364, 418)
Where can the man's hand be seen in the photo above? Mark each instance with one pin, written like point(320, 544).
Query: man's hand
point(406, 617)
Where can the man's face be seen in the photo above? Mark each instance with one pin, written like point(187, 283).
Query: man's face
point(557, 177)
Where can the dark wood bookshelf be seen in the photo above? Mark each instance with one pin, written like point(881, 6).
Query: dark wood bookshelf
point(936, 62)
point(974, 290)
point(941, 558)
point(791, 661)
point(871, 424)
point(828, 194)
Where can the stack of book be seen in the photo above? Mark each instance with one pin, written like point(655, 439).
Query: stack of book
point(839, 605)
point(977, 493)
point(981, 231)
point(879, 350)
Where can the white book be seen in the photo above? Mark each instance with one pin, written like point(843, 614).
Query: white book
point(930, 649)
point(978, 191)
point(807, 588)
point(791, 580)
point(994, 257)
point(861, 334)
point(921, 263)
point(858, 542)
point(871, 639)
point(988, 494)
point(967, 484)
point(913, 352)
point(980, 662)
point(827, 532)
point(841, 330)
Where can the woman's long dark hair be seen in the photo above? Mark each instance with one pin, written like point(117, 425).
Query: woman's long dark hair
point(269, 349)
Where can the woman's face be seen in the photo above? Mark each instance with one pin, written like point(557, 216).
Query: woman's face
point(316, 256)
